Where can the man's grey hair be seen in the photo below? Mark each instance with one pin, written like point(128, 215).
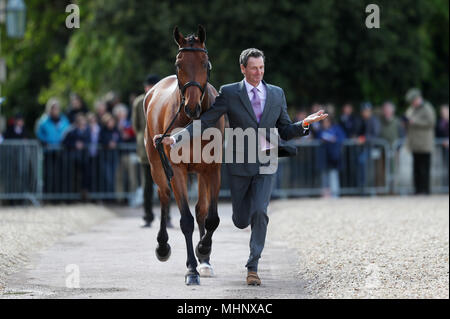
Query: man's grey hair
point(252, 52)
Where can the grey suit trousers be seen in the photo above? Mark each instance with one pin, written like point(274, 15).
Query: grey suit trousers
point(250, 196)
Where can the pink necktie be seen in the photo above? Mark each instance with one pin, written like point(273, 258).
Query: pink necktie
point(256, 104)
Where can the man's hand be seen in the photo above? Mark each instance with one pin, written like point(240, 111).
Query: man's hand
point(168, 140)
point(315, 117)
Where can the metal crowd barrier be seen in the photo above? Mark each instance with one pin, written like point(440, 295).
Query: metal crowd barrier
point(92, 173)
point(31, 172)
point(360, 170)
point(20, 171)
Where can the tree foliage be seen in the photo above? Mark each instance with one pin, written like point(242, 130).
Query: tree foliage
point(317, 50)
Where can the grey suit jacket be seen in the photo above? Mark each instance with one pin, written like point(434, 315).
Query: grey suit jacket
point(233, 100)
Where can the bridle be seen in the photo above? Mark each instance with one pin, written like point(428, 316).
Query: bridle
point(193, 83)
point(159, 147)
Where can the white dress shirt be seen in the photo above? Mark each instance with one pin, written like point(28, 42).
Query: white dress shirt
point(262, 92)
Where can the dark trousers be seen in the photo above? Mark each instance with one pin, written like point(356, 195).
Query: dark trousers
point(148, 193)
point(250, 196)
point(422, 164)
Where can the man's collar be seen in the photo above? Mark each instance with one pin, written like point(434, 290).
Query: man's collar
point(250, 87)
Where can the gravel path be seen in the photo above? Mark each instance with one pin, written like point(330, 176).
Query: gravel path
point(116, 259)
point(392, 247)
point(26, 230)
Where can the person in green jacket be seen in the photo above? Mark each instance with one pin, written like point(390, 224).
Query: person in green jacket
point(391, 126)
point(139, 123)
point(421, 120)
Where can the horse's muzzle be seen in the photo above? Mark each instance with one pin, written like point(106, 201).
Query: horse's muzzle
point(194, 115)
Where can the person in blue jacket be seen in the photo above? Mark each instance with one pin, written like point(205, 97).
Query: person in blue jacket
point(52, 126)
point(76, 143)
point(50, 130)
point(332, 135)
point(109, 139)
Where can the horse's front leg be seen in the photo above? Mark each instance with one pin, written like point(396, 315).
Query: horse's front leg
point(179, 186)
point(203, 250)
point(201, 212)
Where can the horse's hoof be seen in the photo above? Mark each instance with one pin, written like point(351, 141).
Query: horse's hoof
point(192, 279)
point(202, 255)
point(163, 252)
point(205, 270)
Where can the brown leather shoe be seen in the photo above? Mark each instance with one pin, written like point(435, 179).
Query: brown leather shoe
point(253, 279)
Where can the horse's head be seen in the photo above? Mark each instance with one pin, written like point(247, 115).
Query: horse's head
point(192, 68)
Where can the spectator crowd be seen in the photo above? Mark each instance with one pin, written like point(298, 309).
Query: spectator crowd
point(84, 131)
point(367, 124)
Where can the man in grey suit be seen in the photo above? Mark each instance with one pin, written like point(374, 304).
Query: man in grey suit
point(251, 103)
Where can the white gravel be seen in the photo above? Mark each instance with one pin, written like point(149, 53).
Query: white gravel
point(385, 247)
point(26, 230)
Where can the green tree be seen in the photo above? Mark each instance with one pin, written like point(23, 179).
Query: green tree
point(317, 50)
point(31, 60)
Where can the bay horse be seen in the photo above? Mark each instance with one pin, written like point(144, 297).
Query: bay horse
point(189, 92)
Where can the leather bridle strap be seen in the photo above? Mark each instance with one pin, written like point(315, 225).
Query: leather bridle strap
point(194, 83)
point(159, 146)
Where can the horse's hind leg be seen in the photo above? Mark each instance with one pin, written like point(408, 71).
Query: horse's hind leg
point(203, 249)
point(179, 186)
point(163, 250)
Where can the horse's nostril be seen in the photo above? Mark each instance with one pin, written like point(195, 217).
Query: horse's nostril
point(194, 114)
point(188, 112)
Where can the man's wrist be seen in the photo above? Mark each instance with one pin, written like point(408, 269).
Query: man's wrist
point(305, 125)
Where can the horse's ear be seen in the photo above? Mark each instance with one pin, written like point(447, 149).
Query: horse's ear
point(201, 33)
point(178, 37)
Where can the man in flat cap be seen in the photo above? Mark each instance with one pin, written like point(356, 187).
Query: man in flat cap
point(421, 119)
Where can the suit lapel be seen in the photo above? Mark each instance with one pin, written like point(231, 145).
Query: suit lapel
point(268, 104)
point(244, 99)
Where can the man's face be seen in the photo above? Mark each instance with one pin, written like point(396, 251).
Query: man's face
point(20, 122)
point(366, 113)
point(82, 123)
point(76, 103)
point(111, 123)
point(55, 111)
point(254, 71)
point(92, 120)
point(388, 110)
point(122, 115)
point(417, 101)
point(347, 109)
